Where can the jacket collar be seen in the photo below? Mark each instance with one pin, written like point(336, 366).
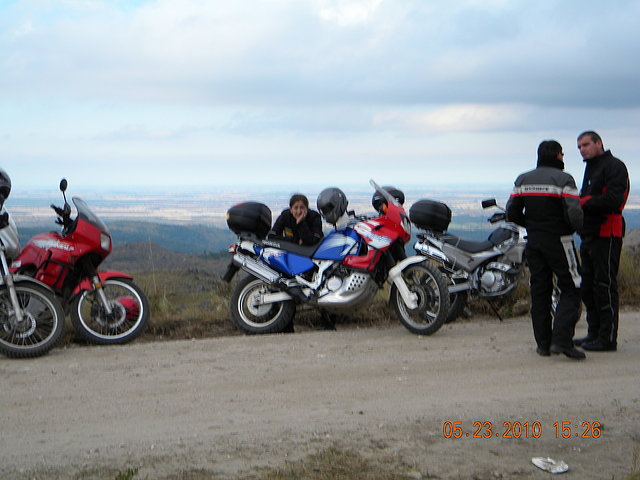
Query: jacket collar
point(606, 154)
point(554, 163)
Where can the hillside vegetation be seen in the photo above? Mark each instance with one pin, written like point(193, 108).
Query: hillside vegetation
point(189, 299)
point(182, 238)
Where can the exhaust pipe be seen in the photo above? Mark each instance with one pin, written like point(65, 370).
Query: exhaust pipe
point(257, 269)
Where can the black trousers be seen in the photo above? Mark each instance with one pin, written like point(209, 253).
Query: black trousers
point(549, 255)
point(600, 261)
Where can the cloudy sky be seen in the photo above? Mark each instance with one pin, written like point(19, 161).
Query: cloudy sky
point(301, 92)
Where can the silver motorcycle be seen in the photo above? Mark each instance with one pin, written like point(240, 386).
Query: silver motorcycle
point(474, 269)
point(31, 318)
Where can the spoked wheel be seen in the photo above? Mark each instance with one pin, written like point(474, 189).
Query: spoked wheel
point(253, 316)
point(128, 318)
point(426, 281)
point(41, 327)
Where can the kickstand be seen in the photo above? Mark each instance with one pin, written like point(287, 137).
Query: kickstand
point(495, 310)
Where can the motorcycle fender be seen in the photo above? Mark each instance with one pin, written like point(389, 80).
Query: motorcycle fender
point(86, 284)
point(453, 288)
point(395, 276)
point(232, 268)
point(25, 278)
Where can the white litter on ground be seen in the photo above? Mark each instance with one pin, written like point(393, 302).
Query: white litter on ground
point(550, 465)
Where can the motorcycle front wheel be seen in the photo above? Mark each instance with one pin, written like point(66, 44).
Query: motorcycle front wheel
point(42, 325)
point(129, 315)
point(427, 282)
point(254, 317)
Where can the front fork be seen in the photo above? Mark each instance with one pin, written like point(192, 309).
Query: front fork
point(8, 280)
point(97, 286)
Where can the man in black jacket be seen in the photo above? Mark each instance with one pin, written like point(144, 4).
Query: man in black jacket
point(545, 201)
point(604, 192)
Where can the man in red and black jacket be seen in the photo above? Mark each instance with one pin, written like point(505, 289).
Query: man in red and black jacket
point(545, 201)
point(604, 192)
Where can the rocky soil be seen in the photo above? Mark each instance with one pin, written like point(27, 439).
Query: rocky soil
point(214, 408)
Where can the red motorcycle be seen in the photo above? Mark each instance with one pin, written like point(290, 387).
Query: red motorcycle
point(106, 307)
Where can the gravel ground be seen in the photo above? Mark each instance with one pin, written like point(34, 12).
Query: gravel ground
point(215, 408)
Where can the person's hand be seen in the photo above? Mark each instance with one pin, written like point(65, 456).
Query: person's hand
point(299, 215)
point(299, 212)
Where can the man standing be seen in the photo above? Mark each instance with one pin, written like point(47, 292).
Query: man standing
point(545, 201)
point(604, 192)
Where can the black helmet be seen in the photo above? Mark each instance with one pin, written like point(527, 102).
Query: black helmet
point(5, 184)
point(332, 203)
point(378, 199)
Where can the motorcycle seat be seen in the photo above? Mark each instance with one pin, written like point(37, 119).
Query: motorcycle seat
point(468, 245)
point(291, 247)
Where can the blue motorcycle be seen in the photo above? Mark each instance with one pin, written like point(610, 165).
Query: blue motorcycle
point(340, 274)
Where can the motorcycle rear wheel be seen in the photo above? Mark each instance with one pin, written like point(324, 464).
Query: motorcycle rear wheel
point(128, 319)
point(427, 282)
point(42, 326)
point(253, 318)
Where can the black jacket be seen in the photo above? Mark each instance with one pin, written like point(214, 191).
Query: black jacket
point(309, 230)
point(605, 188)
point(546, 200)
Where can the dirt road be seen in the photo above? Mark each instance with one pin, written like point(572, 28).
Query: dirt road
point(227, 405)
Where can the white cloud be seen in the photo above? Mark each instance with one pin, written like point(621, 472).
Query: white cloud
point(347, 13)
point(363, 81)
point(456, 118)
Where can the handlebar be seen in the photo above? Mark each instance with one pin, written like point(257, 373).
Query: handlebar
point(497, 217)
point(64, 215)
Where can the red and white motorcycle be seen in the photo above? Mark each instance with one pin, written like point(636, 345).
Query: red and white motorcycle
point(106, 307)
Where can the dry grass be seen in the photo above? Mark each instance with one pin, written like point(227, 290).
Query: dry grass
point(330, 464)
point(195, 304)
point(338, 463)
point(628, 278)
point(189, 304)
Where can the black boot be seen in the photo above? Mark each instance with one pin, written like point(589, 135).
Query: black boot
point(327, 320)
point(288, 328)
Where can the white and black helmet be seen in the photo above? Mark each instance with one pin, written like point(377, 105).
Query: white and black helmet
point(378, 199)
point(332, 204)
point(5, 184)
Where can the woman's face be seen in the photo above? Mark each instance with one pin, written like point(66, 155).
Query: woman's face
point(298, 209)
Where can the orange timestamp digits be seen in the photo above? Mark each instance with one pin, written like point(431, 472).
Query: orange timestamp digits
point(517, 429)
point(584, 430)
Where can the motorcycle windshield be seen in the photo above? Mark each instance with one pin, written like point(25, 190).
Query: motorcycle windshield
point(85, 213)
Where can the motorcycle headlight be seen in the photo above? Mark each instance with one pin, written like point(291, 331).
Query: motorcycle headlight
point(105, 241)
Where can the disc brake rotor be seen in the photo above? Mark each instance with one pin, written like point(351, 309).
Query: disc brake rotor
point(23, 329)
